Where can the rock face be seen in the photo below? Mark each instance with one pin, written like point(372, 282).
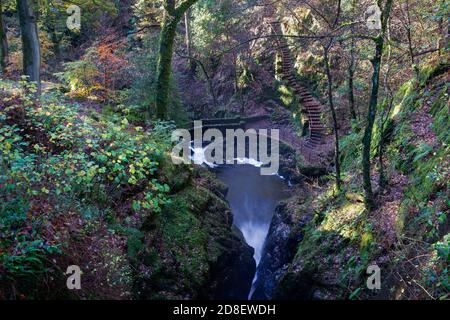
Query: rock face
point(192, 250)
point(295, 284)
point(232, 274)
point(294, 168)
point(288, 164)
point(232, 266)
point(285, 233)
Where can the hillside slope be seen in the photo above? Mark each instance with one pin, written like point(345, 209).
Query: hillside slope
point(78, 187)
point(323, 242)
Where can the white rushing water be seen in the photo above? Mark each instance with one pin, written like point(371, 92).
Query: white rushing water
point(252, 197)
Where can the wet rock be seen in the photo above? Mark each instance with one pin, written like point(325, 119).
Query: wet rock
point(232, 273)
point(288, 164)
point(285, 233)
point(313, 171)
point(292, 166)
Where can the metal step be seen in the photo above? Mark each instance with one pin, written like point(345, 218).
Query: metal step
point(318, 130)
point(310, 105)
point(310, 144)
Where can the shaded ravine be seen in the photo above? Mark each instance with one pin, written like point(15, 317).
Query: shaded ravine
point(253, 198)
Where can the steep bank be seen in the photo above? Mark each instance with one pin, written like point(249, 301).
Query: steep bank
point(286, 228)
point(320, 245)
point(78, 187)
point(284, 234)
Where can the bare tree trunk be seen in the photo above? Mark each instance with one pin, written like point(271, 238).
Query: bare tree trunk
point(444, 28)
point(382, 181)
point(188, 39)
point(409, 34)
point(235, 74)
point(326, 52)
point(351, 72)
point(30, 42)
point(187, 26)
point(4, 52)
point(371, 114)
point(333, 114)
point(351, 86)
point(367, 140)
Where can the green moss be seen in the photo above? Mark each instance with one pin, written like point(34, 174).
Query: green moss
point(426, 165)
point(430, 71)
point(184, 236)
point(286, 95)
point(404, 98)
point(366, 240)
point(176, 176)
point(425, 73)
point(340, 242)
point(441, 122)
point(187, 239)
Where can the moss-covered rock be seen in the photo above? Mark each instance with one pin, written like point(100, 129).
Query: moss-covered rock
point(285, 233)
point(196, 252)
point(294, 168)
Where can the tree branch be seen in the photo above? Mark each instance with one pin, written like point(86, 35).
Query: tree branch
point(184, 6)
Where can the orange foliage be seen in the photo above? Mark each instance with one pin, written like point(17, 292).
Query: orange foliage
point(111, 61)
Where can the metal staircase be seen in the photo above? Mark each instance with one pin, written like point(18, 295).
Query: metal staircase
point(312, 107)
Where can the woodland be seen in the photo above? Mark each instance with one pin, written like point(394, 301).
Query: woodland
point(91, 91)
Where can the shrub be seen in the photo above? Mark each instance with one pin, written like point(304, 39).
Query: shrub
point(54, 159)
point(100, 72)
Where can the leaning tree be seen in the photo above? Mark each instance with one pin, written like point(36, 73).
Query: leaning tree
point(173, 14)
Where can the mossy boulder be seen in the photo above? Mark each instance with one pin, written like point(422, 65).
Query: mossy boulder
point(293, 166)
point(175, 176)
